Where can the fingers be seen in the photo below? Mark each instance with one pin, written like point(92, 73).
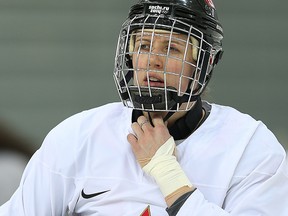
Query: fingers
point(132, 139)
point(158, 121)
point(146, 139)
point(143, 122)
point(138, 127)
point(143, 126)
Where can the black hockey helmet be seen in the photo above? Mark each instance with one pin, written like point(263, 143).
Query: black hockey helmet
point(195, 18)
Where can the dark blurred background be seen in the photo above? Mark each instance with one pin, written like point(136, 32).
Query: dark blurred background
point(56, 59)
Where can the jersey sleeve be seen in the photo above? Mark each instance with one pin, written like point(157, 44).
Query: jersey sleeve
point(40, 192)
point(268, 198)
point(48, 183)
point(259, 185)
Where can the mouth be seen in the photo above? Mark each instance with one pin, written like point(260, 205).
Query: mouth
point(154, 81)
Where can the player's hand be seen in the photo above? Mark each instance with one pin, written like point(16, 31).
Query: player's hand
point(147, 139)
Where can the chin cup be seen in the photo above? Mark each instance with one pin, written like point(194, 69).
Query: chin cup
point(153, 99)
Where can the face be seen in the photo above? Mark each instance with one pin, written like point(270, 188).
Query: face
point(157, 62)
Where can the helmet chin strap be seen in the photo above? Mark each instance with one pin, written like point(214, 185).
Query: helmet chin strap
point(150, 119)
point(169, 114)
point(181, 100)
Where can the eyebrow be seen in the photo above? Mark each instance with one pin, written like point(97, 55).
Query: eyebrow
point(140, 39)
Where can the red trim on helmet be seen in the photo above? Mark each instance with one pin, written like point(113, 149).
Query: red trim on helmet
point(210, 3)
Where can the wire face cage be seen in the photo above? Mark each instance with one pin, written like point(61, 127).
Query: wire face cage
point(161, 63)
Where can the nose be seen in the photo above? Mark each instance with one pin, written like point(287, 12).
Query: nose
point(156, 60)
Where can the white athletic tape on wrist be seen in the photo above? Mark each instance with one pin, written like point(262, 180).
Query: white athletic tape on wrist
point(166, 170)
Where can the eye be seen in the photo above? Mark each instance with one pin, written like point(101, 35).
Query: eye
point(174, 49)
point(142, 46)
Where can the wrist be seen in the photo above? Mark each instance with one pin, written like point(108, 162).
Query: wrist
point(166, 170)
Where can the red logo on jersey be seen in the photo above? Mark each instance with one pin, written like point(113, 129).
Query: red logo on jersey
point(146, 212)
point(210, 3)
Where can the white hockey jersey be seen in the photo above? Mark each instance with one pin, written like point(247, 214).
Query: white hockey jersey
point(86, 167)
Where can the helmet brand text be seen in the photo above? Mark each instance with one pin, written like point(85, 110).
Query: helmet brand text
point(159, 9)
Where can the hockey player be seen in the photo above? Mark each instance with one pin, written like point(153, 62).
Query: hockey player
point(171, 153)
